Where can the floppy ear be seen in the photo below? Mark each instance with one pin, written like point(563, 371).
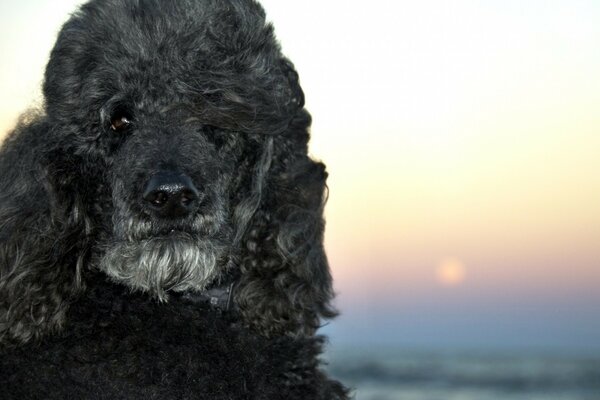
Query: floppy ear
point(285, 285)
point(41, 233)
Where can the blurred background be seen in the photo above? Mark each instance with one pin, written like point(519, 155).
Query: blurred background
point(463, 225)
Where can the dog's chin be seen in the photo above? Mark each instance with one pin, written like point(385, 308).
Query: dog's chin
point(176, 262)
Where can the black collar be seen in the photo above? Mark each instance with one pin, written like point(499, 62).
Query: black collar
point(219, 297)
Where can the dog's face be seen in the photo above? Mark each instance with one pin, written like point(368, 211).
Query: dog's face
point(171, 182)
point(176, 100)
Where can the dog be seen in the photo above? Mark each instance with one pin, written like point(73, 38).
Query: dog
point(161, 222)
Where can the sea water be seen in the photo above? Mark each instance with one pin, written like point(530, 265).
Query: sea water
point(396, 374)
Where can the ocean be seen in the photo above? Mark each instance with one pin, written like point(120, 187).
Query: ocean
point(396, 374)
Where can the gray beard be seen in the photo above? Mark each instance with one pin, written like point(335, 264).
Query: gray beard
point(177, 262)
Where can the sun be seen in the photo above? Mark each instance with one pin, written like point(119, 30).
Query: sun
point(450, 272)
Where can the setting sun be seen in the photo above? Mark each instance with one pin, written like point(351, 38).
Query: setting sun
point(450, 272)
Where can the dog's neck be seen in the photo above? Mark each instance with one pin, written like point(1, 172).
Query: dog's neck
point(218, 297)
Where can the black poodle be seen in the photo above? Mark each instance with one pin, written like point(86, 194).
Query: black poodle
point(160, 220)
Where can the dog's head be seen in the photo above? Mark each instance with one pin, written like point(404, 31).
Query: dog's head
point(179, 152)
point(179, 100)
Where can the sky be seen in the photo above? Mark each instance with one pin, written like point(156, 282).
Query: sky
point(462, 141)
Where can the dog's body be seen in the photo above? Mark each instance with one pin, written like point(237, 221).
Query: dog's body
point(169, 162)
point(119, 345)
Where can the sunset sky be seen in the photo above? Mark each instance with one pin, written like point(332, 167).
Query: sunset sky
point(463, 144)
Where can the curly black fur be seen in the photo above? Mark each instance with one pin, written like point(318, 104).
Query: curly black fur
point(133, 88)
point(134, 349)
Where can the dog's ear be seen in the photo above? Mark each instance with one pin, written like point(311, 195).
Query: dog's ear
point(41, 231)
point(285, 286)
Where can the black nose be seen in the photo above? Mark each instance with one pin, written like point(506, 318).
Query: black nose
point(171, 194)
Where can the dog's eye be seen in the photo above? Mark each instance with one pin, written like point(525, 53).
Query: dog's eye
point(120, 121)
point(218, 136)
